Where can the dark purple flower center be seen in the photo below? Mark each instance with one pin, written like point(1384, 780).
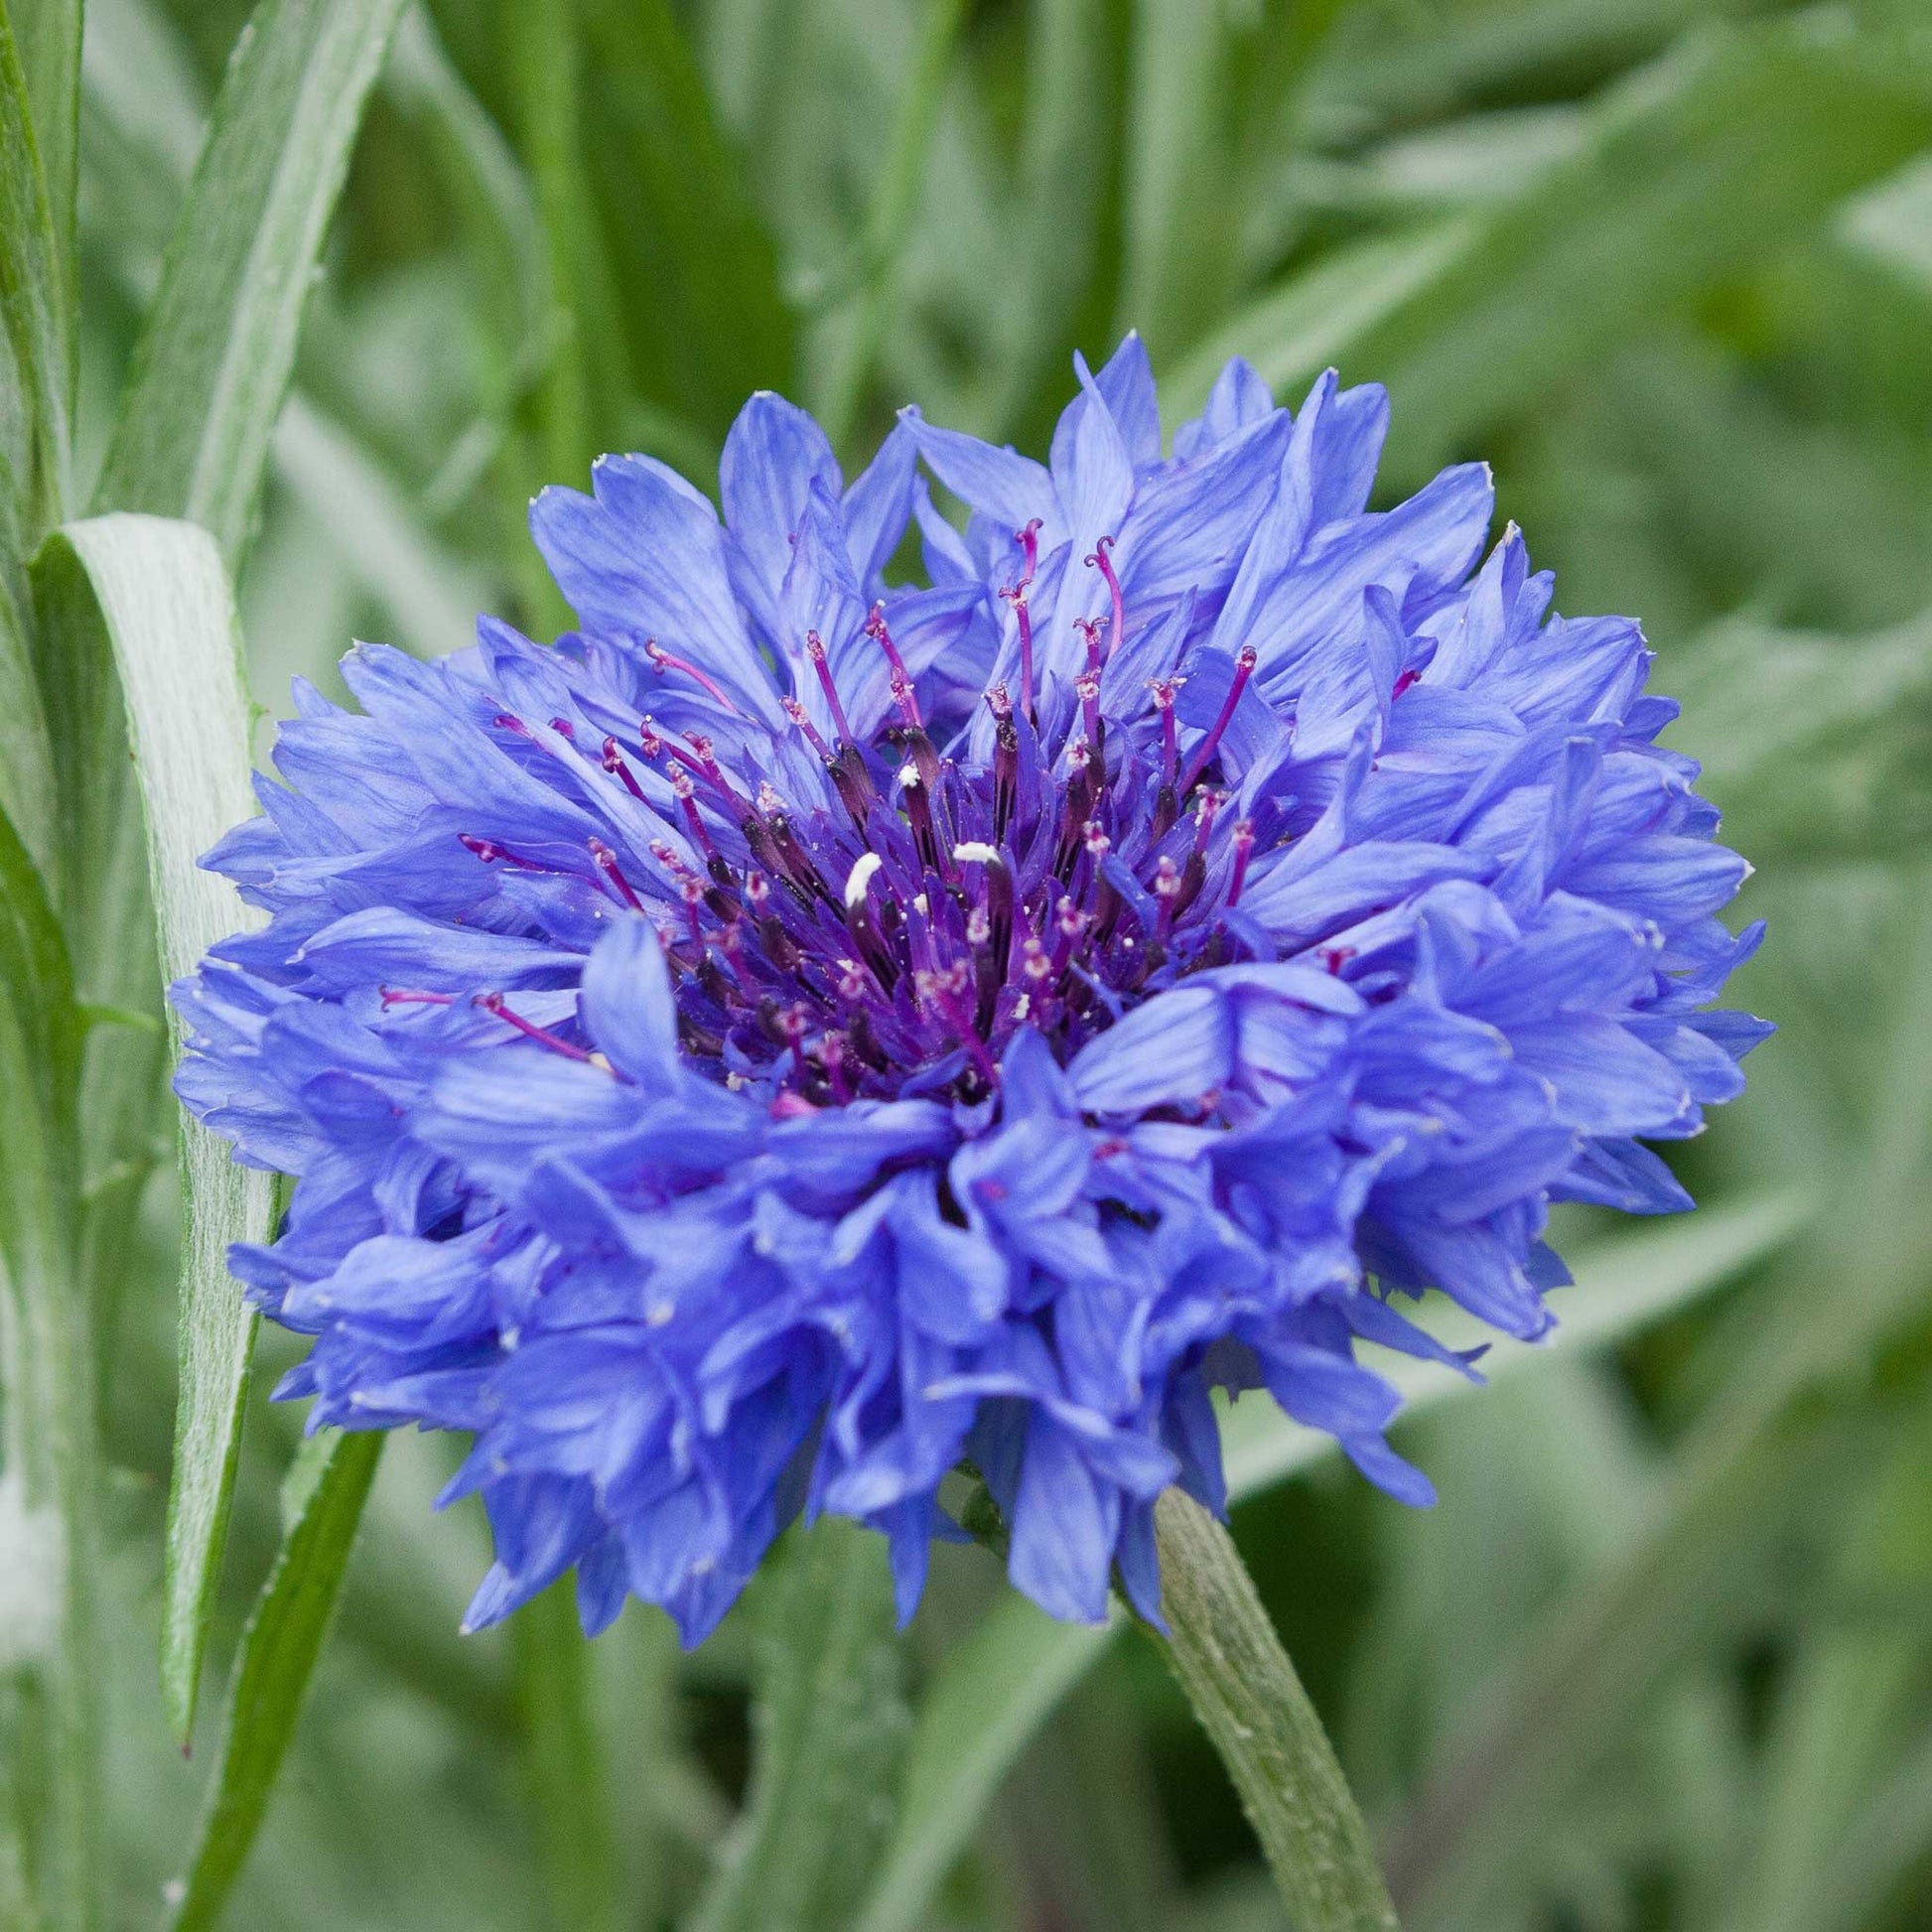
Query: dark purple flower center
point(891, 934)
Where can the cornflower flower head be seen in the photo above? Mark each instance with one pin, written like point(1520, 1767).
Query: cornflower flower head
point(802, 1035)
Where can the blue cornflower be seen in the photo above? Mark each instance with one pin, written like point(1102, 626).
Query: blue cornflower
point(801, 1034)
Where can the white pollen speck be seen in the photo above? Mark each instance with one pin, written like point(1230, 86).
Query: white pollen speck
point(909, 776)
point(972, 852)
point(924, 907)
point(860, 878)
point(658, 1313)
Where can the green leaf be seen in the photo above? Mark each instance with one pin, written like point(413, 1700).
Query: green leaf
point(1179, 215)
point(830, 1732)
point(894, 202)
point(988, 1698)
point(567, 1762)
point(49, 1805)
point(999, 1686)
point(432, 596)
point(1250, 1702)
point(214, 361)
point(1693, 168)
point(272, 1669)
point(167, 615)
point(1852, 713)
point(695, 272)
point(498, 233)
point(35, 308)
point(46, 34)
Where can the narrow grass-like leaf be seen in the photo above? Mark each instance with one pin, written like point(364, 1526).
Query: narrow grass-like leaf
point(46, 34)
point(272, 1669)
point(432, 596)
point(567, 1773)
point(830, 1731)
point(1694, 166)
point(1250, 1702)
point(695, 272)
point(1759, 701)
point(35, 308)
point(167, 617)
point(994, 1692)
point(896, 200)
point(999, 1686)
point(49, 1808)
point(1180, 216)
point(214, 361)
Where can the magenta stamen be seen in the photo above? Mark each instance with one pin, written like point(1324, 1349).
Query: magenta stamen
point(815, 650)
point(1101, 561)
point(663, 661)
point(487, 850)
point(493, 1003)
point(1210, 803)
point(1243, 843)
point(607, 863)
point(1167, 888)
point(1028, 542)
point(618, 768)
point(799, 717)
point(1244, 665)
point(831, 1053)
point(402, 996)
point(1090, 629)
point(1016, 595)
point(902, 694)
point(687, 798)
point(564, 728)
point(1403, 683)
point(1165, 690)
point(1087, 684)
point(509, 720)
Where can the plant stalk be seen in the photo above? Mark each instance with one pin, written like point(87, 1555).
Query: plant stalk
point(1245, 1692)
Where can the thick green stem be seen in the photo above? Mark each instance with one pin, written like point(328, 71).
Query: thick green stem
point(1245, 1692)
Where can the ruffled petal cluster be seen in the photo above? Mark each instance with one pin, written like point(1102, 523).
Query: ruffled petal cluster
point(802, 1035)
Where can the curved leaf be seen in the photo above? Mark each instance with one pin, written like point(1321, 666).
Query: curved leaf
point(272, 1668)
point(213, 364)
point(167, 621)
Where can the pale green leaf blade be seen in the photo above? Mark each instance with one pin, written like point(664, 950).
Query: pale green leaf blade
point(1000, 1685)
point(1700, 162)
point(432, 595)
point(49, 1803)
point(989, 1698)
point(214, 361)
point(567, 1764)
point(272, 1669)
point(830, 1731)
point(1622, 1286)
point(169, 617)
point(33, 307)
point(1179, 213)
point(48, 36)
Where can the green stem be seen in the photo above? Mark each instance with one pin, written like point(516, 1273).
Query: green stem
point(1248, 1697)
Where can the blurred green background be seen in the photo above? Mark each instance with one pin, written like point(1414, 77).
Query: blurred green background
point(1662, 1658)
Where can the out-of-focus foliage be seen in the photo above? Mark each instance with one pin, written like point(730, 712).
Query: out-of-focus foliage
point(1661, 1661)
